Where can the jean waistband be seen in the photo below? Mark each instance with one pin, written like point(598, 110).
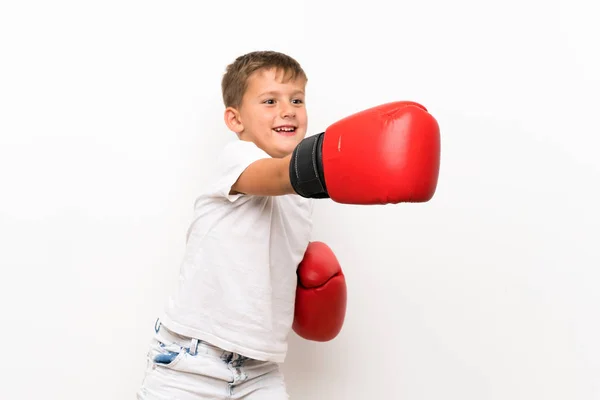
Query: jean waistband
point(192, 345)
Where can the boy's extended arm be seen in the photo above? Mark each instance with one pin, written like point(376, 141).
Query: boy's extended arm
point(266, 177)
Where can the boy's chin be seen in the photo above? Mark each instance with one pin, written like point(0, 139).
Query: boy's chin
point(286, 148)
point(281, 154)
point(282, 151)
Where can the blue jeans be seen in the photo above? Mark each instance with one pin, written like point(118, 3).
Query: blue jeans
point(185, 368)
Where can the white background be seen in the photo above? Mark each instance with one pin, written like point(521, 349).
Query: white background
point(110, 119)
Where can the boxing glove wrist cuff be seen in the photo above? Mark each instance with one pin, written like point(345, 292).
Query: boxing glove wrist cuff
point(306, 168)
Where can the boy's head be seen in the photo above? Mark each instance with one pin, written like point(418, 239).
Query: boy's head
point(263, 92)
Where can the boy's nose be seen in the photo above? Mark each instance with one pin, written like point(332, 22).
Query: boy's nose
point(288, 112)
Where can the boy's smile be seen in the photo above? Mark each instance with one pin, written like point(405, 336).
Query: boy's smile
point(286, 130)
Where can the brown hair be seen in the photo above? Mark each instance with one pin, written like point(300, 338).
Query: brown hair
point(235, 79)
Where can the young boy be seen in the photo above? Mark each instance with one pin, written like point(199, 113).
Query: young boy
point(225, 329)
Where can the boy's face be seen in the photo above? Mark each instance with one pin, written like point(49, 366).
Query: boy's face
point(272, 113)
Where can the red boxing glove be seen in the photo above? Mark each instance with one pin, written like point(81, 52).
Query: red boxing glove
point(320, 295)
point(386, 154)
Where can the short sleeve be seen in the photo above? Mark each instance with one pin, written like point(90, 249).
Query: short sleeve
point(233, 160)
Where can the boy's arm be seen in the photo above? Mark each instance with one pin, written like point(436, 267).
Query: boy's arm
point(265, 177)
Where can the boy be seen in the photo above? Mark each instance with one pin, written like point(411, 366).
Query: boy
point(224, 331)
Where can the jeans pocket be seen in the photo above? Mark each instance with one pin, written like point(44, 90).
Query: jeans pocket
point(166, 354)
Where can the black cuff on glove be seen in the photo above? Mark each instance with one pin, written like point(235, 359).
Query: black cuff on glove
point(306, 168)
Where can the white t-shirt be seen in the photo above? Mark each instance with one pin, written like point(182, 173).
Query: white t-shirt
point(237, 281)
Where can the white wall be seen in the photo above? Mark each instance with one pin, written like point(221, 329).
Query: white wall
point(110, 117)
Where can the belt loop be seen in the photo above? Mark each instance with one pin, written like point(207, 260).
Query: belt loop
point(194, 347)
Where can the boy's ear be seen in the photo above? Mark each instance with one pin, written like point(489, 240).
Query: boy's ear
point(233, 120)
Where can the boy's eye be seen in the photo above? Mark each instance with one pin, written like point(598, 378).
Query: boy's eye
point(297, 101)
point(269, 101)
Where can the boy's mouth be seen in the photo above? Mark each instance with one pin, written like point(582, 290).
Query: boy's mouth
point(285, 130)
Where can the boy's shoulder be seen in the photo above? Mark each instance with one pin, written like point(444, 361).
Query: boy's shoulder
point(240, 154)
point(232, 159)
